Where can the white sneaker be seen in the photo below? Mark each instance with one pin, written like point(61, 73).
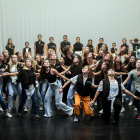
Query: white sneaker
point(75, 119)
point(57, 106)
point(126, 99)
point(95, 103)
point(1, 110)
point(8, 115)
point(124, 95)
point(41, 108)
point(130, 103)
point(122, 110)
point(135, 108)
point(101, 111)
point(25, 109)
point(10, 109)
point(45, 116)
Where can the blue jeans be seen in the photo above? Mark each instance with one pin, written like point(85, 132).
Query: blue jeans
point(128, 87)
point(3, 105)
point(14, 90)
point(1, 89)
point(70, 96)
point(58, 100)
point(23, 100)
point(43, 89)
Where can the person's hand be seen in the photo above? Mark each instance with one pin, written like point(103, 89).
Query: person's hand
point(63, 55)
point(136, 97)
point(91, 103)
point(60, 90)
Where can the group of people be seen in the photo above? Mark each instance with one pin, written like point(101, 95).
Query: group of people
point(82, 77)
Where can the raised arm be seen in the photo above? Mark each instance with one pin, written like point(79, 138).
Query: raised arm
point(127, 79)
point(131, 41)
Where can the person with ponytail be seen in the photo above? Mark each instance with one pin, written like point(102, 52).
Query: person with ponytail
point(83, 83)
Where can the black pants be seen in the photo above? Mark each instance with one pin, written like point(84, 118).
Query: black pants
point(107, 109)
point(136, 102)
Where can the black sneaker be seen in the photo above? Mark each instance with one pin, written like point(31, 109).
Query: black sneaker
point(36, 117)
point(19, 115)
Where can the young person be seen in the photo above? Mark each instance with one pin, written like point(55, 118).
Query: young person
point(111, 95)
point(51, 45)
point(135, 74)
point(78, 47)
point(19, 57)
point(75, 69)
point(28, 78)
point(124, 44)
point(101, 41)
point(26, 49)
point(54, 85)
point(39, 46)
point(92, 49)
point(135, 45)
point(83, 83)
point(113, 50)
point(14, 84)
point(10, 47)
point(63, 44)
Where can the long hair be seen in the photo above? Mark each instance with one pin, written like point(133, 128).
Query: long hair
point(6, 51)
point(80, 61)
point(130, 67)
point(41, 60)
point(8, 42)
point(11, 64)
point(115, 68)
point(90, 71)
point(43, 71)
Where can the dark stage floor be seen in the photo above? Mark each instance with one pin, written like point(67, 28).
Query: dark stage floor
point(61, 127)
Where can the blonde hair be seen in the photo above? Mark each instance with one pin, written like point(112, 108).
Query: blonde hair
point(6, 51)
point(11, 63)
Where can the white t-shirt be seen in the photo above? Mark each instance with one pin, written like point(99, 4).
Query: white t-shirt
point(113, 92)
point(74, 81)
point(13, 70)
point(27, 49)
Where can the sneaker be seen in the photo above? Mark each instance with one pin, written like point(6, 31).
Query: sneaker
point(138, 117)
point(126, 99)
point(137, 112)
point(95, 103)
point(101, 111)
point(75, 119)
point(130, 103)
point(135, 109)
point(1, 110)
point(36, 117)
point(25, 109)
point(41, 108)
point(19, 115)
point(10, 109)
point(8, 115)
point(45, 116)
point(122, 110)
point(57, 106)
point(124, 95)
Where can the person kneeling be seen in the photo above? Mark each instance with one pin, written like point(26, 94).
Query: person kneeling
point(83, 83)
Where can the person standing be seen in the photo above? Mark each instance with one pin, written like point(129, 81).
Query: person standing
point(39, 46)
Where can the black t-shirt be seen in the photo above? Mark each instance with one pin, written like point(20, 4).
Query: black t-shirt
point(78, 47)
point(63, 45)
point(5, 63)
point(113, 50)
point(31, 77)
point(91, 48)
point(22, 61)
point(10, 49)
point(2, 66)
point(51, 78)
point(136, 47)
point(99, 46)
point(99, 58)
point(39, 47)
point(68, 61)
point(51, 46)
